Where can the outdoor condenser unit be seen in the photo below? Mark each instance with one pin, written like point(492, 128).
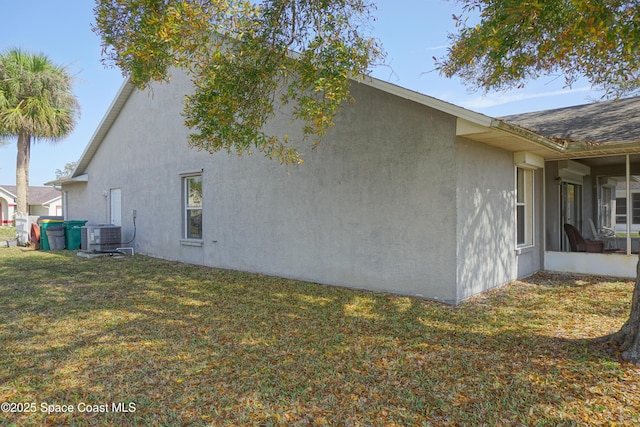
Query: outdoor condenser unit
point(101, 237)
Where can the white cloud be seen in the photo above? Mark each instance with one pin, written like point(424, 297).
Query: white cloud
point(444, 46)
point(493, 100)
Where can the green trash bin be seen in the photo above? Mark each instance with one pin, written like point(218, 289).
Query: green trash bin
point(45, 222)
point(73, 233)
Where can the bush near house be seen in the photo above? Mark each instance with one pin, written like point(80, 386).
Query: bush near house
point(176, 344)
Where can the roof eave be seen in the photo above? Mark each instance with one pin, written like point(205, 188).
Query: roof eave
point(68, 180)
point(529, 135)
point(8, 192)
point(49, 202)
point(581, 149)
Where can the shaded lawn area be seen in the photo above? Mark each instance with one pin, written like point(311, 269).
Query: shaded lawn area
point(190, 345)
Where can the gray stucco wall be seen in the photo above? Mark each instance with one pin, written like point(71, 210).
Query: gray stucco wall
point(487, 254)
point(486, 218)
point(372, 207)
point(531, 259)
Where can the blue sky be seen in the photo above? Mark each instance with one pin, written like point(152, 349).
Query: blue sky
point(411, 31)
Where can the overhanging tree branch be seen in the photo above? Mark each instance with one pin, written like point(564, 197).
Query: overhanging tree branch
point(238, 55)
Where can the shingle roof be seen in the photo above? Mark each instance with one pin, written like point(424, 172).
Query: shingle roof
point(37, 195)
point(601, 122)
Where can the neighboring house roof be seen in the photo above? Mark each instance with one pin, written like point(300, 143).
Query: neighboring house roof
point(613, 124)
point(37, 195)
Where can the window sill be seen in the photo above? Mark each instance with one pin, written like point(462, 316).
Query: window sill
point(188, 242)
point(524, 249)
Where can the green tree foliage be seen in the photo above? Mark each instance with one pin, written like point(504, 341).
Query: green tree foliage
point(246, 60)
point(36, 102)
point(515, 41)
point(67, 171)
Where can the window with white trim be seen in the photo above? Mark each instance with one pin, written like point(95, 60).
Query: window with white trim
point(524, 206)
point(192, 207)
point(621, 209)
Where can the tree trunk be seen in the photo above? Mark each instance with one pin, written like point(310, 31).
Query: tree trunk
point(22, 173)
point(627, 339)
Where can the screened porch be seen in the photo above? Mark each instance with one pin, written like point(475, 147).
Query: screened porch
point(592, 215)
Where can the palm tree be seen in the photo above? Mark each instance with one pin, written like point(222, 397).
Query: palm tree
point(36, 102)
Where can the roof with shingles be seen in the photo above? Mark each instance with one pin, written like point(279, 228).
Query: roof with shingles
point(613, 121)
point(37, 195)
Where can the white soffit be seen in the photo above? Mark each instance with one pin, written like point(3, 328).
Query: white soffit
point(574, 167)
point(465, 127)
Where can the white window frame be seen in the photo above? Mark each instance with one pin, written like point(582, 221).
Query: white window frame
point(606, 206)
point(527, 202)
point(186, 208)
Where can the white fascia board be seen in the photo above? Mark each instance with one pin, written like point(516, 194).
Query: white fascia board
point(445, 107)
point(79, 178)
point(49, 202)
point(9, 193)
point(529, 135)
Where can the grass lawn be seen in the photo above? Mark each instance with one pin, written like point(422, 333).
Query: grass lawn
point(7, 233)
point(184, 345)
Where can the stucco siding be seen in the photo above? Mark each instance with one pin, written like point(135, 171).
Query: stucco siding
point(531, 259)
point(79, 204)
point(370, 208)
point(485, 201)
point(143, 155)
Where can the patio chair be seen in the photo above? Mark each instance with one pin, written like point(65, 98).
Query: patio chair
point(606, 234)
point(579, 243)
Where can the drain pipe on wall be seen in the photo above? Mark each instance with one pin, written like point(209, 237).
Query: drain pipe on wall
point(629, 210)
point(134, 214)
point(123, 248)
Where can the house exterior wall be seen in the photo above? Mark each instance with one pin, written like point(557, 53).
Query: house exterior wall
point(39, 210)
point(80, 205)
point(53, 209)
point(8, 205)
point(531, 259)
point(7, 209)
point(370, 208)
point(486, 228)
point(6, 212)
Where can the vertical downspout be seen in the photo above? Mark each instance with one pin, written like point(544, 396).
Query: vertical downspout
point(544, 215)
point(629, 219)
point(65, 207)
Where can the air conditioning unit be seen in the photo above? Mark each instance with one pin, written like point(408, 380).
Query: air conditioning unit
point(105, 237)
